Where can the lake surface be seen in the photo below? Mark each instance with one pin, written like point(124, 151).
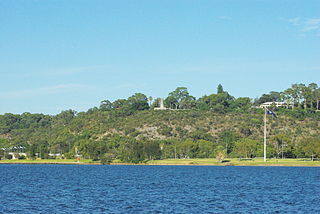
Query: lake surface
point(158, 189)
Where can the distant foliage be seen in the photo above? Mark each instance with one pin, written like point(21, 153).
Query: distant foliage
point(217, 125)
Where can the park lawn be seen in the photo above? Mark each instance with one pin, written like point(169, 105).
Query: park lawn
point(196, 161)
point(237, 162)
point(51, 161)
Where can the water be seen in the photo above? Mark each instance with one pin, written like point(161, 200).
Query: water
point(158, 189)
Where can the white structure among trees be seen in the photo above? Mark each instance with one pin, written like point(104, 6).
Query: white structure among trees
point(161, 105)
point(276, 104)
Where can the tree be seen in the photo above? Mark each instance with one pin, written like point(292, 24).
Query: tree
point(130, 150)
point(311, 147)
point(105, 105)
point(296, 94)
point(280, 141)
point(119, 103)
point(152, 150)
point(188, 103)
point(88, 148)
point(220, 154)
point(185, 148)
point(65, 117)
point(298, 91)
point(205, 148)
point(172, 102)
point(150, 100)
point(216, 102)
point(273, 96)
point(220, 89)
point(243, 103)
point(138, 101)
point(156, 103)
point(289, 95)
point(107, 158)
point(306, 94)
point(180, 99)
point(313, 94)
point(246, 147)
point(317, 97)
point(227, 139)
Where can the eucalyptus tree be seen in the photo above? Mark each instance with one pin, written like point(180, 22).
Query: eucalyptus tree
point(119, 103)
point(105, 105)
point(280, 142)
point(188, 103)
point(313, 88)
point(246, 147)
point(296, 93)
point(317, 97)
point(241, 103)
point(273, 96)
point(311, 147)
point(180, 99)
point(150, 98)
point(138, 101)
point(65, 117)
point(306, 94)
point(290, 97)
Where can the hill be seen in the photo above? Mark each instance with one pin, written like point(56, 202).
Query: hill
point(149, 134)
point(217, 125)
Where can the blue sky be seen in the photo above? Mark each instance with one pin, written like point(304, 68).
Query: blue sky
point(57, 55)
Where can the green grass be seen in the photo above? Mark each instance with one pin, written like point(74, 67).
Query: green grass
point(51, 161)
point(199, 161)
point(237, 162)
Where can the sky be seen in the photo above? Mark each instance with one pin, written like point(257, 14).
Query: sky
point(57, 55)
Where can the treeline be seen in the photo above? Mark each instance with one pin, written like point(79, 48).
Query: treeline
point(129, 130)
point(297, 96)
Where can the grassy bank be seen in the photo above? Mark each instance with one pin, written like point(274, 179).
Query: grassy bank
point(237, 162)
point(204, 161)
point(49, 161)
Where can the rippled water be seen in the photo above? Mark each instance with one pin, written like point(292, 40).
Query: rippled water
point(158, 189)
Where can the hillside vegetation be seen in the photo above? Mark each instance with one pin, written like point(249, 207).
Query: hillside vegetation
point(217, 125)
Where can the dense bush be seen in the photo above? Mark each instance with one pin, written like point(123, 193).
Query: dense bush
point(196, 128)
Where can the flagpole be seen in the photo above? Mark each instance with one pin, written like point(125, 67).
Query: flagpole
point(265, 136)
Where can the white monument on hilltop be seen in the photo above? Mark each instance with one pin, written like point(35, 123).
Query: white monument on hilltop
point(161, 105)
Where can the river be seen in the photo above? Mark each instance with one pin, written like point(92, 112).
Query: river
point(158, 189)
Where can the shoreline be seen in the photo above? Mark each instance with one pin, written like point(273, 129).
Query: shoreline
point(317, 164)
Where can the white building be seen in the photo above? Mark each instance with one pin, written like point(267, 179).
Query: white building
point(276, 104)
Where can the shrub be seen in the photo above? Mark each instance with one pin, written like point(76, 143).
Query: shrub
point(221, 156)
point(107, 158)
point(22, 157)
point(8, 157)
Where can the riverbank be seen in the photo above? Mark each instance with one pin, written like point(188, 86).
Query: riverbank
point(193, 162)
point(51, 161)
point(237, 162)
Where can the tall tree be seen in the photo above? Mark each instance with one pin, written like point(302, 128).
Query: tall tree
point(306, 94)
point(280, 142)
point(150, 98)
point(311, 147)
point(220, 89)
point(246, 148)
point(180, 99)
point(313, 88)
point(296, 93)
point(105, 105)
point(289, 96)
point(138, 101)
point(317, 97)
